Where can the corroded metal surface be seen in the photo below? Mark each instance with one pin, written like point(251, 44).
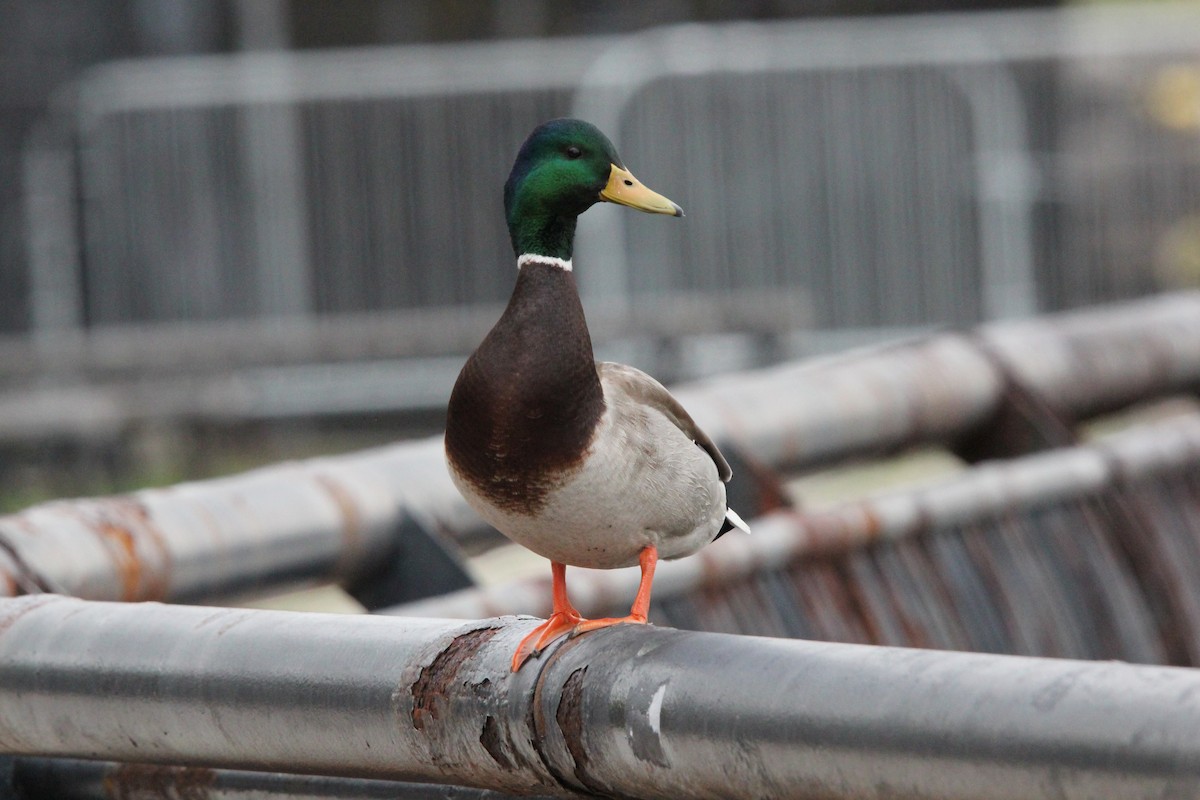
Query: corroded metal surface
point(630, 711)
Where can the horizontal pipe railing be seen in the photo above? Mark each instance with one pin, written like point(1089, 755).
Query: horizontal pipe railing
point(631, 711)
point(1081, 362)
point(942, 387)
point(324, 519)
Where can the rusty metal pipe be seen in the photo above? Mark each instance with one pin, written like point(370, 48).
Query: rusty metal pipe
point(321, 519)
point(630, 711)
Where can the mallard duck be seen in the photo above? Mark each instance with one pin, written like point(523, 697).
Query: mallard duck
point(590, 464)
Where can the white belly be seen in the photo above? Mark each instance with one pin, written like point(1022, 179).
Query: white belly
point(643, 482)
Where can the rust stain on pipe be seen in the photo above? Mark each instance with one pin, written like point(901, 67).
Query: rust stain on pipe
point(124, 526)
point(150, 781)
point(434, 682)
point(125, 557)
point(19, 577)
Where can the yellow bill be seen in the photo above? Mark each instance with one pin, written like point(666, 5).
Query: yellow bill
point(627, 190)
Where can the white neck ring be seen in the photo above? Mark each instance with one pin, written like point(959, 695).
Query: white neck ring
point(550, 261)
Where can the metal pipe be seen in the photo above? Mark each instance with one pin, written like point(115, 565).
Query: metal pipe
point(674, 714)
point(938, 388)
point(630, 711)
point(1088, 362)
point(321, 519)
point(74, 779)
point(871, 399)
point(359, 696)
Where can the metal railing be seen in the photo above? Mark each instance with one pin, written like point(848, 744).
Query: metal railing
point(289, 184)
point(938, 168)
point(629, 712)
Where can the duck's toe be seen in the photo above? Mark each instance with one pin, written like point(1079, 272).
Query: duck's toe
point(559, 624)
point(586, 625)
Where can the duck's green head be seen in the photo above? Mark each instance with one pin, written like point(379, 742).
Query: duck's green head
point(564, 167)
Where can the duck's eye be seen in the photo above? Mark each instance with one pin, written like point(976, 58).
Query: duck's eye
point(574, 152)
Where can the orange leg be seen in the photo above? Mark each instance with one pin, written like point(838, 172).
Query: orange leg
point(641, 604)
point(562, 620)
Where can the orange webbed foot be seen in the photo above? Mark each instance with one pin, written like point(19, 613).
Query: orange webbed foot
point(566, 619)
point(559, 624)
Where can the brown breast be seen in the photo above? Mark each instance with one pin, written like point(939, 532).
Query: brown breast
point(526, 404)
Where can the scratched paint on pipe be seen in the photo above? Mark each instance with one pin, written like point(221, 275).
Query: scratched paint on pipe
point(436, 678)
point(463, 706)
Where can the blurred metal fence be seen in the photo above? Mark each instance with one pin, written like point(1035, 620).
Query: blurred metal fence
point(938, 169)
point(930, 169)
point(277, 184)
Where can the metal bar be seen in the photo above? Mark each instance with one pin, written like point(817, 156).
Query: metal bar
point(205, 81)
point(55, 296)
point(630, 711)
point(72, 779)
point(171, 348)
point(322, 519)
point(939, 388)
point(1087, 362)
point(949, 39)
point(781, 537)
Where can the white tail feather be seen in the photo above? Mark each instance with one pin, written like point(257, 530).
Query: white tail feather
point(736, 521)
